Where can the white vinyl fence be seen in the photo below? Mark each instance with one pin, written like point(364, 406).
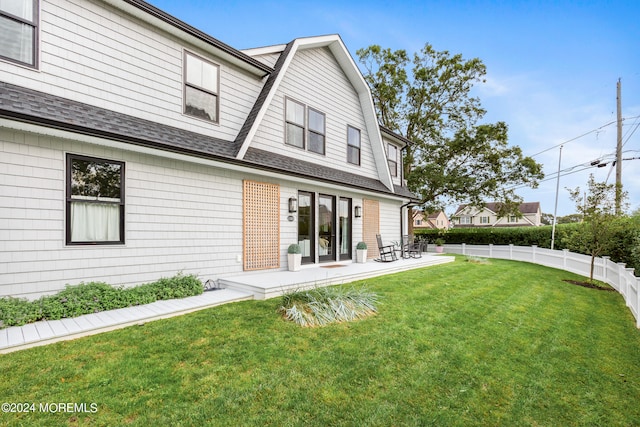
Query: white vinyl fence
point(617, 275)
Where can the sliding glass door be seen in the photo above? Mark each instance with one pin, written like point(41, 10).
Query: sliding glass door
point(344, 217)
point(306, 226)
point(326, 228)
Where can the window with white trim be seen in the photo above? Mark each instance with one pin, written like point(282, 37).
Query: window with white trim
point(465, 220)
point(95, 201)
point(353, 145)
point(201, 88)
point(484, 220)
point(19, 31)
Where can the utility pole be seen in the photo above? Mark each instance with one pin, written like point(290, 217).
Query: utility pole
point(619, 149)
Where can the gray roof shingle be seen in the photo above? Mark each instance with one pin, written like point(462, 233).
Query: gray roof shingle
point(34, 107)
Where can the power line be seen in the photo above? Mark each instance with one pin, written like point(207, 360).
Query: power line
point(585, 134)
point(597, 163)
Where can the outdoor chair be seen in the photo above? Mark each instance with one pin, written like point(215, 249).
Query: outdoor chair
point(387, 252)
point(410, 248)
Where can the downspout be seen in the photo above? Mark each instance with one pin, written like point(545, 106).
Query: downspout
point(406, 205)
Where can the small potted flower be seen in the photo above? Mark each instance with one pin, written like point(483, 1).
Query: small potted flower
point(361, 252)
point(439, 245)
point(294, 257)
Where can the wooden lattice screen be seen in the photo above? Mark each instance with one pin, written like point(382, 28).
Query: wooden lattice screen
point(371, 226)
point(261, 224)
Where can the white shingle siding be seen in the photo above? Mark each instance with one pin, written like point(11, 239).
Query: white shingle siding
point(179, 217)
point(315, 79)
point(92, 53)
point(390, 221)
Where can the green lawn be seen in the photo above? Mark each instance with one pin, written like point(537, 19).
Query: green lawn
point(502, 343)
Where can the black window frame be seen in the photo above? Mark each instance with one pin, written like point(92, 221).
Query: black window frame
point(311, 132)
point(301, 125)
point(351, 147)
point(35, 24)
point(69, 200)
point(189, 85)
point(304, 127)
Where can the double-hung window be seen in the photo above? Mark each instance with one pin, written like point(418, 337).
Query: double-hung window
point(19, 31)
point(201, 88)
point(295, 123)
point(392, 157)
point(95, 201)
point(305, 127)
point(353, 145)
point(316, 131)
point(465, 220)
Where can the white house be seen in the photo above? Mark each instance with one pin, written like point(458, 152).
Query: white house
point(470, 216)
point(134, 146)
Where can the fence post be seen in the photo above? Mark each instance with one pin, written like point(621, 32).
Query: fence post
point(565, 252)
point(511, 251)
point(490, 250)
point(627, 285)
point(637, 302)
point(464, 249)
point(533, 252)
point(605, 267)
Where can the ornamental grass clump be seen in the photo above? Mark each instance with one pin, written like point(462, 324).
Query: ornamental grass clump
point(321, 306)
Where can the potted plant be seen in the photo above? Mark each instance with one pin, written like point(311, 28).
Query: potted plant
point(361, 252)
point(294, 257)
point(439, 245)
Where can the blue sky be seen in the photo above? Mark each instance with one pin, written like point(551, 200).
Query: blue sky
point(552, 66)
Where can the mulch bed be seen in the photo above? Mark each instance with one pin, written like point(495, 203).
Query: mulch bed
point(588, 285)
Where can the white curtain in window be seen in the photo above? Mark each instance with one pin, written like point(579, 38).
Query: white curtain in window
point(20, 8)
point(344, 235)
point(95, 222)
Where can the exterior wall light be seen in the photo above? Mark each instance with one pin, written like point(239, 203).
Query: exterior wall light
point(358, 211)
point(293, 204)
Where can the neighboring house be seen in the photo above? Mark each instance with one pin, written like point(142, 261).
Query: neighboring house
point(469, 216)
point(134, 146)
point(432, 220)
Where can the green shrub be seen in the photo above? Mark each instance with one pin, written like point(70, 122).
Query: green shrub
point(94, 297)
point(18, 311)
point(77, 300)
point(178, 286)
point(361, 245)
point(294, 248)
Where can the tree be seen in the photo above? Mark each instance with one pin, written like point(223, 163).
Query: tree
point(598, 209)
point(453, 158)
point(547, 219)
point(567, 219)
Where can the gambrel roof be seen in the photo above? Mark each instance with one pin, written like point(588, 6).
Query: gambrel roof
point(47, 111)
point(336, 46)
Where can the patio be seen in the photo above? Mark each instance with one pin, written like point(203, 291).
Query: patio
point(247, 286)
point(265, 285)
